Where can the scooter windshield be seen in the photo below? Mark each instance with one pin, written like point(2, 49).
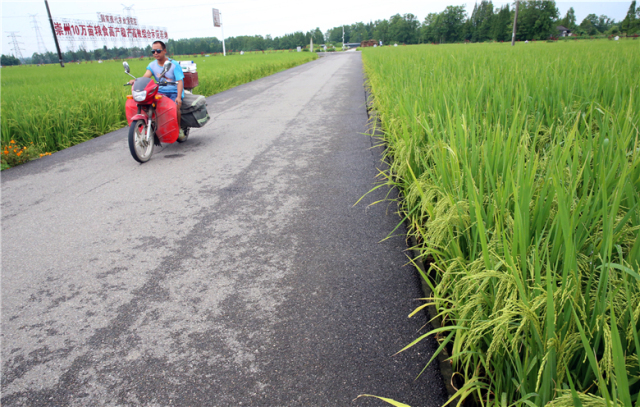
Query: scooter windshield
point(140, 84)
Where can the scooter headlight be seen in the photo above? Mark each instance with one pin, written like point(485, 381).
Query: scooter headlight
point(139, 96)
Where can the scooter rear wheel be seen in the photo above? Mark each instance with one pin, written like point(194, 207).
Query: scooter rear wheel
point(141, 149)
point(186, 135)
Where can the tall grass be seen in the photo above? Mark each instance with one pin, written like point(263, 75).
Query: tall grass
point(520, 169)
point(57, 107)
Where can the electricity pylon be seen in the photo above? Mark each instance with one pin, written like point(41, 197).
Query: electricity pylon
point(16, 44)
point(42, 49)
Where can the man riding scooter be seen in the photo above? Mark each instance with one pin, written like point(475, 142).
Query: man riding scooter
point(174, 92)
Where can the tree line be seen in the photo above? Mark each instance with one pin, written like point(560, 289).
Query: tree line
point(537, 20)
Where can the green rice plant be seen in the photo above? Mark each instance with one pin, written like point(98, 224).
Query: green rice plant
point(55, 108)
point(520, 172)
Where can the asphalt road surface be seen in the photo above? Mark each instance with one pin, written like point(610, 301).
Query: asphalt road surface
point(233, 269)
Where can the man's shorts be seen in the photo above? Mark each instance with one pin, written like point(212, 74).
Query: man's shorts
point(170, 95)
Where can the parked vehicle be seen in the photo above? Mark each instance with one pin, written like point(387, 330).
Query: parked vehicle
point(152, 117)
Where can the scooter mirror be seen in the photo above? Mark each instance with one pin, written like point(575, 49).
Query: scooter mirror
point(126, 67)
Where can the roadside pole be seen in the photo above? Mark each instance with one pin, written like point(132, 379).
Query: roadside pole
point(217, 22)
point(55, 38)
point(515, 19)
point(224, 50)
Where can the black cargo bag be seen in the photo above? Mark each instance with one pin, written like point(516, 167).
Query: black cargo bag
point(194, 111)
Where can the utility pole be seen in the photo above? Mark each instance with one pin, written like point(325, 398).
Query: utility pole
point(224, 50)
point(343, 37)
point(217, 22)
point(515, 19)
point(55, 38)
point(16, 45)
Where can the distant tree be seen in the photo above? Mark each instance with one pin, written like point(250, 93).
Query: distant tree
point(9, 60)
point(479, 25)
point(300, 40)
point(369, 27)
point(318, 37)
point(335, 34)
point(502, 24)
point(453, 18)
point(203, 46)
point(37, 58)
point(587, 25)
point(381, 31)
point(447, 26)
point(536, 20)
point(592, 24)
point(486, 25)
point(569, 19)
point(432, 28)
point(605, 23)
point(404, 29)
point(629, 25)
point(358, 33)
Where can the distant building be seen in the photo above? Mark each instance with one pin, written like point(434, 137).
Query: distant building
point(369, 43)
point(563, 31)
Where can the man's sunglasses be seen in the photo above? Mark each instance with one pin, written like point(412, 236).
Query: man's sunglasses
point(156, 51)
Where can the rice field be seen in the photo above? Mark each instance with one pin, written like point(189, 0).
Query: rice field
point(55, 108)
point(520, 174)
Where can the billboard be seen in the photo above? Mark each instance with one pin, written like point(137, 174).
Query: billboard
point(216, 17)
point(109, 29)
point(82, 30)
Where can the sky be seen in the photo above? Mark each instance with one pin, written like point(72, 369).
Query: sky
point(193, 18)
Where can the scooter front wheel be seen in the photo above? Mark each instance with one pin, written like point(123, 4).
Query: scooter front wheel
point(141, 149)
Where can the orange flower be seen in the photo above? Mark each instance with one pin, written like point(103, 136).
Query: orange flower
point(20, 152)
point(13, 141)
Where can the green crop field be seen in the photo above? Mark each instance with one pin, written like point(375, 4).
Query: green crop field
point(520, 173)
point(54, 107)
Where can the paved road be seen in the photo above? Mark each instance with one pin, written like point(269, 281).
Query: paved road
point(229, 270)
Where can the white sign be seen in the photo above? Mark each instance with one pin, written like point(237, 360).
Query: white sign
point(71, 30)
point(299, 49)
point(216, 17)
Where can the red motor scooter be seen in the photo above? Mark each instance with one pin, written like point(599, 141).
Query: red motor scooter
point(152, 117)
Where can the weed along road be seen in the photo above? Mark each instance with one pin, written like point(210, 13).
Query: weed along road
point(233, 269)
